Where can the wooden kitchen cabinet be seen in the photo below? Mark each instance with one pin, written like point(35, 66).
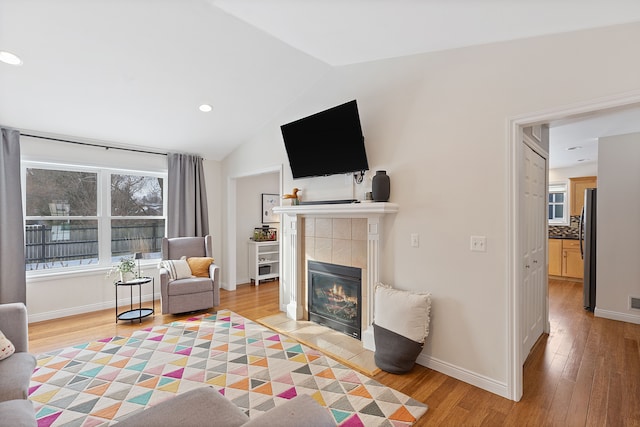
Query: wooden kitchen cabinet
point(565, 259)
point(572, 263)
point(555, 257)
point(576, 191)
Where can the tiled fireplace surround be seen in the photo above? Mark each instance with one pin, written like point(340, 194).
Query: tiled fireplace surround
point(345, 234)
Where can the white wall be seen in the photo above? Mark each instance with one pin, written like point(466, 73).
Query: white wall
point(618, 220)
point(562, 175)
point(438, 123)
point(57, 294)
point(248, 215)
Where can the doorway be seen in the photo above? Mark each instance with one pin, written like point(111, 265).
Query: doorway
point(233, 212)
point(516, 314)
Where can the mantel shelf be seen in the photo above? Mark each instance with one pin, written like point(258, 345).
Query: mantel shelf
point(349, 209)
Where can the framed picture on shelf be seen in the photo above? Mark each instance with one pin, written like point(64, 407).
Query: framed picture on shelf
point(269, 201)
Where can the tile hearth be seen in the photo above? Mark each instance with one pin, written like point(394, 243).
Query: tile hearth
point(335, 344)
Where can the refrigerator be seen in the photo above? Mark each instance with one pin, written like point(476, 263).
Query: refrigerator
point(587, 233)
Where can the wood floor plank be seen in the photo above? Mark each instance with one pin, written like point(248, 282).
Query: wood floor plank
point(561, 398)
point(579, 404)
point(585, 372)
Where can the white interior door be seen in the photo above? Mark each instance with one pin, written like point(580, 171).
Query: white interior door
point(534, 244)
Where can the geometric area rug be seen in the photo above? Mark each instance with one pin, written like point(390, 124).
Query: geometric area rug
point(102, 382)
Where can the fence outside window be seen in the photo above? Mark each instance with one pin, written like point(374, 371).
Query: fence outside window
point(62, 244)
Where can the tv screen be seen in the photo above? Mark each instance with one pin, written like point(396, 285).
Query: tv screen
point(326, 143)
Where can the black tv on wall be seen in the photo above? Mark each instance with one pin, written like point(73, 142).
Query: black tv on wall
point(326, 143)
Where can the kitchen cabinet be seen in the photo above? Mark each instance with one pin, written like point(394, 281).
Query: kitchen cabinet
point(572, 264)
point(264, 260)
point(576, 191)
point(555, 257)
point(565, 259)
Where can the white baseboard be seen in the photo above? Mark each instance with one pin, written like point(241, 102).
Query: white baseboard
point(615, 315)
point(465, 375)
point(72, 311)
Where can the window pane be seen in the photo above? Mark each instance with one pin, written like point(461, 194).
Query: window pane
point(134, 195)
point(54, 193)
point(550, 212)
point(559, 197)
point(129, 236)
point(58, 244)
point(559, 211)
point(550, 197)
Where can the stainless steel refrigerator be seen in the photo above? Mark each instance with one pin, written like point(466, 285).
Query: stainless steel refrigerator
point(587, 232)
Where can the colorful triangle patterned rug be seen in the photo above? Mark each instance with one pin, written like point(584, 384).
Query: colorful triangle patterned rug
point(101, 382)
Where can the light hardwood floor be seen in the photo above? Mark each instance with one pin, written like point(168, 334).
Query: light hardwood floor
point(586, 372)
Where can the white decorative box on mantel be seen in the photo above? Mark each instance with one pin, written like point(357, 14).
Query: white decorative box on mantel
point(292, 280)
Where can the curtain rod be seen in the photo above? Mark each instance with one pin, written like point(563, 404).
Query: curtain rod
point(94, 145)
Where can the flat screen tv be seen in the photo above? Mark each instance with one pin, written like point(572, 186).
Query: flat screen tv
point(326, 143)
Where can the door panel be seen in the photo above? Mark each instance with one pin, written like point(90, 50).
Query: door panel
point(534, 243)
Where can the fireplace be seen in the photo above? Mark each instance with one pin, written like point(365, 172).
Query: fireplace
point(334, 298)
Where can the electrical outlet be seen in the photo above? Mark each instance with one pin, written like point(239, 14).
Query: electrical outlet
point(415, 240)
point(478, 243)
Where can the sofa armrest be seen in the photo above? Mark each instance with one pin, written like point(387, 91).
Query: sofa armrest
point(14, 324)
point(18, 413)
point(303, 410)
point(198, 407)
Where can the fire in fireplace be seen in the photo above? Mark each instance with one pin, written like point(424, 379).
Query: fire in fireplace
point(334, 297)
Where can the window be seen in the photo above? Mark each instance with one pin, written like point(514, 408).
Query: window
point(137, 222)
point(558, 204)
point(80, 216)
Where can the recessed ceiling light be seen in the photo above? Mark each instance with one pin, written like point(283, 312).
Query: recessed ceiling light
point(205, 108)
point(577, 147)
point(10, 58)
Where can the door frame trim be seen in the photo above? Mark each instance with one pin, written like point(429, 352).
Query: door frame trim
point(514, 154)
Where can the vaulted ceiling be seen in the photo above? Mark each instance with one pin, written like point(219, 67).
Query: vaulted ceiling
point(135, 71)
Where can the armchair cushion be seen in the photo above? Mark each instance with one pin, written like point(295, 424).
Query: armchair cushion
point(191, 285)
point(200, 266)
point(178, 269)
point(6, 347)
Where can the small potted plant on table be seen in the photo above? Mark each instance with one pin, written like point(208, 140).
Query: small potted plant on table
point(125, 269)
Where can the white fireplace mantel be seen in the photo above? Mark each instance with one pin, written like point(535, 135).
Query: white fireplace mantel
point(293, 258)
point(347, 210)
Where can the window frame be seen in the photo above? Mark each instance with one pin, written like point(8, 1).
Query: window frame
point(559, 187)
point(103, 217)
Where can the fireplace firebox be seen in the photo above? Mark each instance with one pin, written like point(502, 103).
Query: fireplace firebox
point(334, 297)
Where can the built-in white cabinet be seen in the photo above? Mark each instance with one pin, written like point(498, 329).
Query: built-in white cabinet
point(264, 261)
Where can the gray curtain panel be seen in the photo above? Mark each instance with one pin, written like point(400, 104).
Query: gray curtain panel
point(187, 214)
point(13, 287)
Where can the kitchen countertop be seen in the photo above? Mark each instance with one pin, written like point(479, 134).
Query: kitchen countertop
point(564, 237)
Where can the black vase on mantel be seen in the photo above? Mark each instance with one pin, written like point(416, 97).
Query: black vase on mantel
point(381, 186)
